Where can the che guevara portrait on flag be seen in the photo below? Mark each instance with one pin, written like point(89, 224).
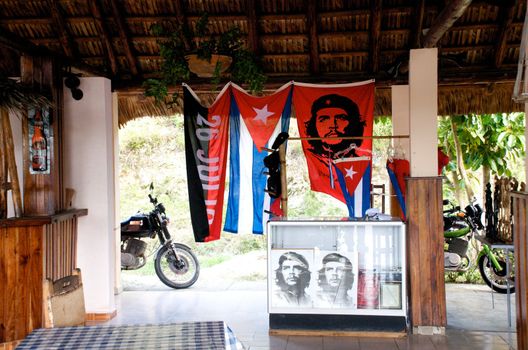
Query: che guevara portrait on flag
point(328, 118)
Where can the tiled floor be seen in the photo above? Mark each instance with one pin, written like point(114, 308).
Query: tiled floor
point(473, 323)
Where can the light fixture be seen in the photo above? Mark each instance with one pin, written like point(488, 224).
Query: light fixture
point(72, 82)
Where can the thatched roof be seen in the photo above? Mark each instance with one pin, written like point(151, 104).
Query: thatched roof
point(304, 40)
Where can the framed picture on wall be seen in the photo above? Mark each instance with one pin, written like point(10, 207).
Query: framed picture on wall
point(40, 136)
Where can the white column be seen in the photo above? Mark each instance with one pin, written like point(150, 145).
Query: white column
point(118, 288)
point(423, 111)
point(400, 119)
point(89, 170)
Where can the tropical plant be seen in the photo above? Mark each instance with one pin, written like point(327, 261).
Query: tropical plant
point(491, 142)
point(178, 41)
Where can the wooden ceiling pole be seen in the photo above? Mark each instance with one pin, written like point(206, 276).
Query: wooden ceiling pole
point(505, 18)
point(453, 11)
point(125, 40)
point(182, 21)
point(313, 38)
point(417, 24)
point(104, 34)
point(375, 35)
point(60, 24)
point(253, 42)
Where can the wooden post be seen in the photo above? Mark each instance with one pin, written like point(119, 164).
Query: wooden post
point(3, 177)
point(284, 183)
point(520, 236)
point(11, 163)
point(425, 255)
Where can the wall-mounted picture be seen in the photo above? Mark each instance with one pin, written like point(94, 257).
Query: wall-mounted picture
point(40, 135)
point(292, 271)
point(337, 276)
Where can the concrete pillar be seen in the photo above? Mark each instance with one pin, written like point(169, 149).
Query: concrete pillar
point(423, 111)
point(89, 170)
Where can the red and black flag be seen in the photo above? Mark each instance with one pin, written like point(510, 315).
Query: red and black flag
point(206, 140)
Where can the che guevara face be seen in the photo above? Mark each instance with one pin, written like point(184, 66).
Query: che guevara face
point(334, 273)
point(331, 122)
point(291, 271)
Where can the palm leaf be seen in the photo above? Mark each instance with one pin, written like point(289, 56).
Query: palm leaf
point(17, 97)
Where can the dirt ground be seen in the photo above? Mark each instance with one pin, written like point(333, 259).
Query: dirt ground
point(242, 272)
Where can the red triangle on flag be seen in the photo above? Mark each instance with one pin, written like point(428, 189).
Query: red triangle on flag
point(261, 114)
point(352, 169)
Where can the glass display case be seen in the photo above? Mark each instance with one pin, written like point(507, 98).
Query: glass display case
point(336, 267)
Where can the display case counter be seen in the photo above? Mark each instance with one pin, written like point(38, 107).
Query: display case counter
point(337, 274)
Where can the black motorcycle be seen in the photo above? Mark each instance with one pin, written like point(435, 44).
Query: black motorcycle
point(175, 263)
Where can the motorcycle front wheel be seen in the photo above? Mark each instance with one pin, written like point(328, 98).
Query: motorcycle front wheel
point(177, 273)
point(498, 280)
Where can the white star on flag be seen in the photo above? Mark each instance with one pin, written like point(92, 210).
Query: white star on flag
point(262, 114)
point(350, 172)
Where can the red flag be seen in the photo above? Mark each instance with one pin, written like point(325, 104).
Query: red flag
point(261, 114)
point(333, 112)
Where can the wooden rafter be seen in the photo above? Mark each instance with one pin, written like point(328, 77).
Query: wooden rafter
point(60, 25)
point(104, 34)
point(375, 35)
point(182, 21)
point(505, 18)
point(121, 27)
point(312, 37)
point(417, 24)
point(445, 21)
point(22, 45)
point(253, 41)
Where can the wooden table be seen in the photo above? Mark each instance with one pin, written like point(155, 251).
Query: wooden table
point(211, 335)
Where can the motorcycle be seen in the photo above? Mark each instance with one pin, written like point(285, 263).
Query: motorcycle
point(175, 263)
point(460, 229)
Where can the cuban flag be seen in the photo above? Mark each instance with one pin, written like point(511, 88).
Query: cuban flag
point(255, 122)
point(398, 170)
point(354, 176)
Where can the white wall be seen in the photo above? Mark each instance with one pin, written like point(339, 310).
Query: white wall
point(89, 170)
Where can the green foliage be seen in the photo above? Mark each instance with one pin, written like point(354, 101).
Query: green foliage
point(178, 41)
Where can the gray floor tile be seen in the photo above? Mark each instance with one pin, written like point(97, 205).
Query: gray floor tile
point(340, 343)
point(304, 343)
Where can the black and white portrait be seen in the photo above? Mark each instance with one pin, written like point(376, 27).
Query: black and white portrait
point(291, 287)
point(336, 280)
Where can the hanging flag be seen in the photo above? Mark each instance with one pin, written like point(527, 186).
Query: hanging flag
point(206, 131)
point(334, 112)
point(354, 176)
point(398, 170)
point(255, 123)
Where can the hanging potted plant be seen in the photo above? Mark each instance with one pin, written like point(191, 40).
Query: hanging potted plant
point(186, 52)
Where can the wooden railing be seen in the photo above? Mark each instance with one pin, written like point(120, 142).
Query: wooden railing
point(520, 242)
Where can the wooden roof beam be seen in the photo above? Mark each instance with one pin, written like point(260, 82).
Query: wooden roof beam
point(103, 33)
point(182, 21)
point(445, 21)
point(375, 35)
point(22, 45)
point(505, 18)
point(417, 24)
point(253, 39)
point(59, 24)
point(125, 40)
point(312, 37)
